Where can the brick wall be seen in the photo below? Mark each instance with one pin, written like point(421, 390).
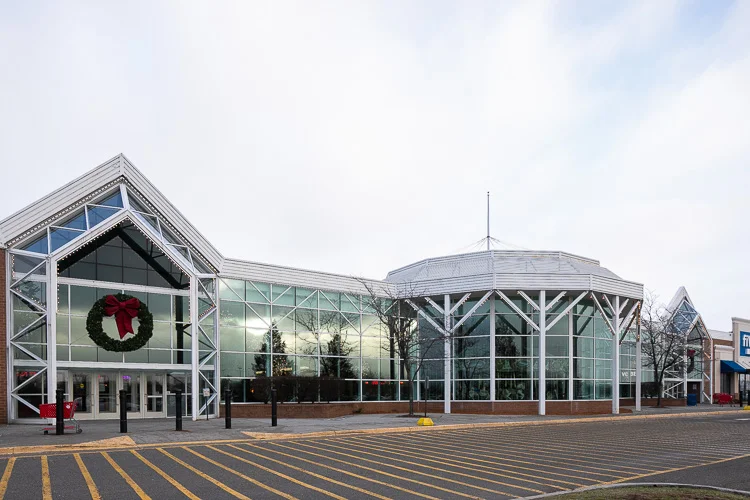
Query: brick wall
point(3, 337)
point(331, 410)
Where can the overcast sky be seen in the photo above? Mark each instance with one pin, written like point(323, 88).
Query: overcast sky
point(357, 137)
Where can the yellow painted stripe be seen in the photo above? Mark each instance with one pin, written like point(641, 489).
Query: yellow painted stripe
point(392, 458)
point(87, 477)
point(461, 464)
point(6, 476)
point(556, 449)
point(379, 471)
point(277, 473)
point(675, 469)
point(500, 460)
point(239, 474)
point(305, 471)
point(46, 485)
point(166, 476)
point(341, 471)
point(138, 491)
point(205, 476)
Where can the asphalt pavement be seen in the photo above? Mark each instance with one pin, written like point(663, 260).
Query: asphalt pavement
point(473, 462)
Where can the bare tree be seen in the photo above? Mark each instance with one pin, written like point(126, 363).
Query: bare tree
point(407, 337)
point(663, 347)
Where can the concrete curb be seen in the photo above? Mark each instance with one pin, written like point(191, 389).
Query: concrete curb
point(437, 427)
point(653, 485)
point(111, 443)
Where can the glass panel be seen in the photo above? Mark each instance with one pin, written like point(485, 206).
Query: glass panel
point(258, 292)
point(155, 393)
point(107, 392)
point(77, 221)
point(112, 201)
point(38, 245)
point(512, 390)
point(131, 383)
point(59, 237)
point(99, 214)
point(23, 264)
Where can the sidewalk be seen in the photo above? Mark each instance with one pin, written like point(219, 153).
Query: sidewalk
point(149, 431)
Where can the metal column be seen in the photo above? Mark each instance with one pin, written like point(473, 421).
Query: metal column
point(195, 378)
point(616, 357)
point(448, 383)
point(492, 349)
point(542, 390)
point(638, 362)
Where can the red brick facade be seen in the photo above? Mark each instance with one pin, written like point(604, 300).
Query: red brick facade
point(331, 410)
point(3, 339)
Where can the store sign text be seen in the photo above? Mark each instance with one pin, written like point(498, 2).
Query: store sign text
point(744, 343)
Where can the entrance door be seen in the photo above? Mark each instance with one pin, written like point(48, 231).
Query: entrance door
point(83, 392)
point(154, 395)
point(107, 394)
point(131, 384)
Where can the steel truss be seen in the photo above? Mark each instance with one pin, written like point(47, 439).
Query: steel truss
point(619, 313)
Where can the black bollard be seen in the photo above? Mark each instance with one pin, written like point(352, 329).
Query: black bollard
point(273, 407)
point(178, 410)
point(59, 415)
point(227, 409)
point(123, 411)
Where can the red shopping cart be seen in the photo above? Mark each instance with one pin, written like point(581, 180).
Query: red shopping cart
point(50, 411)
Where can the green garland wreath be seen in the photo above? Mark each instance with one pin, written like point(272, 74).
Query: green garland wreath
point(100, 337)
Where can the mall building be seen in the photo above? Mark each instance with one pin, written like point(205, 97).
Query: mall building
point(521, 332)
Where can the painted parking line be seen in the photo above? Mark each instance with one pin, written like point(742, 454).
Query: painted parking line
point(280, 474)
point(340, 471)
point(458, 464)
point(497, 460)
point(6, 476)
point(93, 490)
point(415, 472)
point(544, 452)
point(384, 473)
point(534, 458)
point(166, 476)
point(205, 476)
point(138, 491)
point(675, 469)
point(310, 473)
point(596, 452)
point(239, 474)
point(46, 485)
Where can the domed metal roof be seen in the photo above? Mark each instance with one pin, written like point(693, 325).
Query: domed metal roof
point(520, 269)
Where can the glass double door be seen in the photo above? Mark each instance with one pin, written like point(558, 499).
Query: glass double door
point(97, 393)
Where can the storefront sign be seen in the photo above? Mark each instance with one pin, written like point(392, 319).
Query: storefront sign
point(744, 343)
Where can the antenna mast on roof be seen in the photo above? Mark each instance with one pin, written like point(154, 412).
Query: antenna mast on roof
point(488, 220)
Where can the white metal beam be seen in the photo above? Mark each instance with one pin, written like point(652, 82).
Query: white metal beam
point(566, 310)
point(554, 301)
point(459, 303)
point(471, 311)
point(517, 310)
point(528, 299)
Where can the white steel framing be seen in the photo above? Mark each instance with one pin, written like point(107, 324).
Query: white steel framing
point(203, 303)
point(619, 313)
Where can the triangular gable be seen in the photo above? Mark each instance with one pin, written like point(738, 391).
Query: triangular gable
point(683, 314)
point(84, 189)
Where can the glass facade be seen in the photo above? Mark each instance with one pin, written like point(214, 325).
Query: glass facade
point(214, 332)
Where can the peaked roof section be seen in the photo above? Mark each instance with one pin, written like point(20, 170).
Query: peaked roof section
point(684, 315)
point(89, 185)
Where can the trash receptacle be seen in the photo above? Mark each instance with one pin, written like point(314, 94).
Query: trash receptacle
point(692, 399)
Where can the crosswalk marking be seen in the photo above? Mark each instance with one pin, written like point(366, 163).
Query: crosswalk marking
point(87, 477)
point(138, 491)
point(6, 476)
point(166, 476)
point(205, 476)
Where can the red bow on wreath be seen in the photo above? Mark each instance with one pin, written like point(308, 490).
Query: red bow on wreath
point(124, 312)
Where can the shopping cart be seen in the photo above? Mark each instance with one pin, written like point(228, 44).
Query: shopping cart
point(50, 411)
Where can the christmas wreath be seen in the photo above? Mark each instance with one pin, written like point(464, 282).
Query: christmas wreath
point(124, 308)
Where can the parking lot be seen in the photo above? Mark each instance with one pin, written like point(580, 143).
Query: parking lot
point(481, 462)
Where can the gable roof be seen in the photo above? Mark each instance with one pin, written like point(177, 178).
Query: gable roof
point(78, 191)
